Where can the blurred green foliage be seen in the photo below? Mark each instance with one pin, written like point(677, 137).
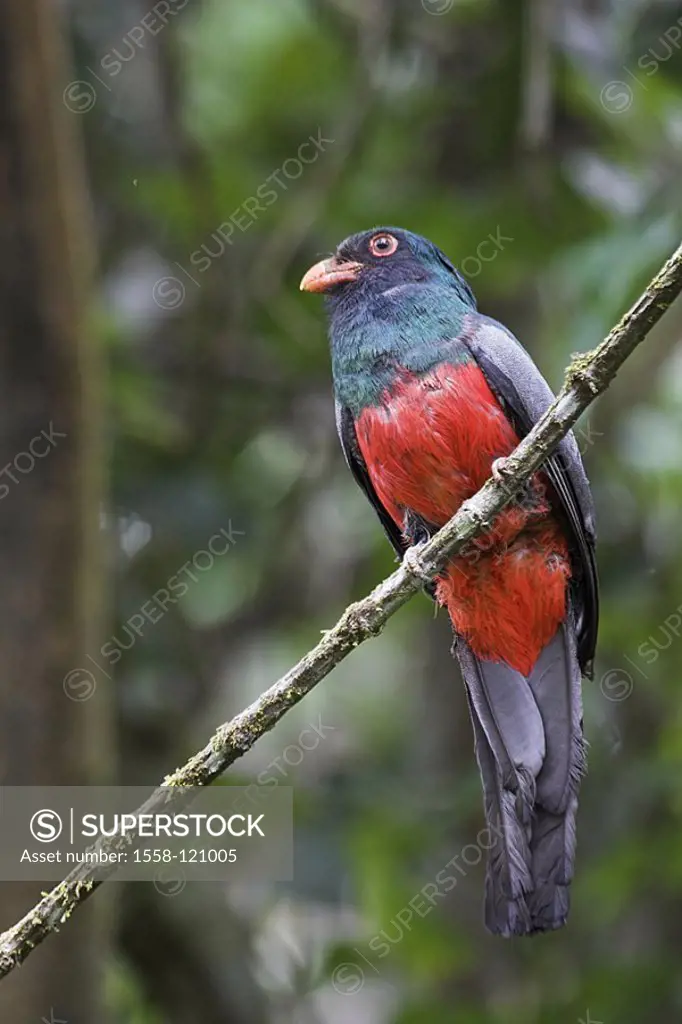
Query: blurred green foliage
point(493, 118)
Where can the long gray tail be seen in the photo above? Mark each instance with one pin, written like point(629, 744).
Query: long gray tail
point(530, 751)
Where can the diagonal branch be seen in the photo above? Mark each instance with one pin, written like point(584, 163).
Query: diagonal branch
point(586, 378)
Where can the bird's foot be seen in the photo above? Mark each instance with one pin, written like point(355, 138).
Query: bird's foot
point(412, 563)
point(499, 470)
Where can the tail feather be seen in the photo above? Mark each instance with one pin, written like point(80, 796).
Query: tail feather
point(530, 751)
point(508, 876)
point(556, 686)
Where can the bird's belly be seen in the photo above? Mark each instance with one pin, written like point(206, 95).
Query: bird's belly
point(431, 443)
point(428, 447)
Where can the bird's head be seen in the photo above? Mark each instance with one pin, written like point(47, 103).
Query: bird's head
point(376, 262)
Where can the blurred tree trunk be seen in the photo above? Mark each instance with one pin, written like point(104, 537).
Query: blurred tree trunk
point(50, 489)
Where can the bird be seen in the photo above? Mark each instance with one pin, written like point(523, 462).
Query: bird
point(431, 396)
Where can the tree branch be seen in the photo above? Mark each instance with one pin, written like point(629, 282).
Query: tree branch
point(586, 378)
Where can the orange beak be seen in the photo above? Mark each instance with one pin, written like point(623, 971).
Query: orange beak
point(328, 273)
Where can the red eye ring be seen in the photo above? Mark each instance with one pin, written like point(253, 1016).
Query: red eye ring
point(383, 245)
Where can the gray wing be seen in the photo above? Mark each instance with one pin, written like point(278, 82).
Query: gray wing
point(516, 380)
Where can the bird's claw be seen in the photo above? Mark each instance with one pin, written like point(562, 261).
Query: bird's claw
point(498, 470)
point(412, 563)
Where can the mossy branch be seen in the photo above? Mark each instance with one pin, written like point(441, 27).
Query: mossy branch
point(587, 377)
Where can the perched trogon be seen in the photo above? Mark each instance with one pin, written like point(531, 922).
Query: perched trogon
point(430, 397)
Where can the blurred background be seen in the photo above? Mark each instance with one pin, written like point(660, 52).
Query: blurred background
point(168, 172)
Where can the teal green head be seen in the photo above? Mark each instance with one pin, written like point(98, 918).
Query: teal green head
point(393, 300)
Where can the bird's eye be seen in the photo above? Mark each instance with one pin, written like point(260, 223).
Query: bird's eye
point(383, 245)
